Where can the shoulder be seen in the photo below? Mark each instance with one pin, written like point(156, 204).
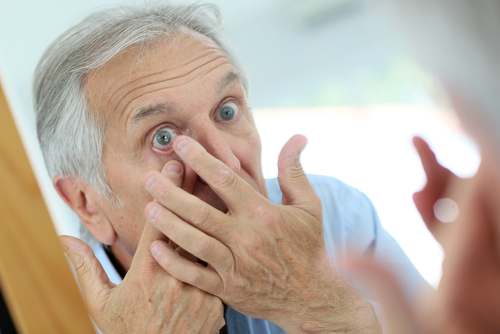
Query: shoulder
point(329, 189)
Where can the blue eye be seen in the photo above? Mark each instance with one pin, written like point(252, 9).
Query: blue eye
point(228, 111)
point(164, 138)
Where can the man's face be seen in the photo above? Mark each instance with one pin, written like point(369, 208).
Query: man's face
point(183, 87)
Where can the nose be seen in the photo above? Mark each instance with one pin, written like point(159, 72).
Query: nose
point(213, 141)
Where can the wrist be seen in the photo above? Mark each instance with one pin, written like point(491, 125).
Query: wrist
point(343, 310)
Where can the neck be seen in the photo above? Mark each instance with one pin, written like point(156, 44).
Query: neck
point(120, 258)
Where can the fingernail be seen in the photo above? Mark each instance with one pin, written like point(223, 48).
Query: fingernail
point(182, 144)
point(174, 169)
point(151, 181)
point(153, 213)
point(156, 250)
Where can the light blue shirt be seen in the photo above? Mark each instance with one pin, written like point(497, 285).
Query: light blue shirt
point(350, 224)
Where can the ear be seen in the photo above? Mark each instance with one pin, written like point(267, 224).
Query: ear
point(88, 205)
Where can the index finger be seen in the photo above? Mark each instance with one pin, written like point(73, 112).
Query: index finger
point(231, 188)
point(433, 169)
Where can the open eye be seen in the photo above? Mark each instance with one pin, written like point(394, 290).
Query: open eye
point(227, 112)
point(164, 138)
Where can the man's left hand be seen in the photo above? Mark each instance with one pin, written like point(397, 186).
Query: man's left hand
point(265, 260)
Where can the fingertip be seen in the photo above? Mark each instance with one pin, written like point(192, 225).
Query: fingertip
point(77, 251)
point(65, 241)
point(174, 171)
point(417, 140)
point(181, 142)
point(421, 145)
point(292, 149)
point(151, 211)
point(73, 245)
point(157, 248)
point(150, 178)
point(301, 139)
point(172, 167)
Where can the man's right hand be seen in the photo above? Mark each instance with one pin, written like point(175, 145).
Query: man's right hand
point(149, 300)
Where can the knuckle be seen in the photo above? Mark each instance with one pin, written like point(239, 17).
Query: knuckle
point(224, 178)
point(200, 216)
point(294, 171)
point(80, 267)
point(176, 285)
point(270, 216)
point(197, 278)
point(316, 206)
point(203, 248)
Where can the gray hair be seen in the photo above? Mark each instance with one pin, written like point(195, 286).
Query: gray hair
point(459, 41)
point(70, 135)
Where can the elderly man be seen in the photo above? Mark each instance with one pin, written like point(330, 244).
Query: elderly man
point(143, 111)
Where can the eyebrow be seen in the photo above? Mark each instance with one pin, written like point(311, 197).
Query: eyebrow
point(153, 110)
point(227, 80)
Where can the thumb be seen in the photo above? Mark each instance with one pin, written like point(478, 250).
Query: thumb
point(293, 181)
point(91, 276)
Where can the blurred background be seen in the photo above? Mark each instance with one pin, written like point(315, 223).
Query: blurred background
point(330, 69)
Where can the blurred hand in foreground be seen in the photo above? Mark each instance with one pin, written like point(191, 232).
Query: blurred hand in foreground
point(468, 297)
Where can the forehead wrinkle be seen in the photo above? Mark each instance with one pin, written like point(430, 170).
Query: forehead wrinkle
point(128, 84)
point(166, 80)
point(157, 90)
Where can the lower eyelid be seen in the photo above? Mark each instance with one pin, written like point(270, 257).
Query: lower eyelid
point(164, 153)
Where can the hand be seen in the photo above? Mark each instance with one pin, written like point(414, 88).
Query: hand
point(265, 260)
point(149, 300)
point(438, 179)
point(469, 293)
point(468, 297)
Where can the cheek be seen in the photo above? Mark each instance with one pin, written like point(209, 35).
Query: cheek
point(125, 175)
point(254, 148)
point(248, 151)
